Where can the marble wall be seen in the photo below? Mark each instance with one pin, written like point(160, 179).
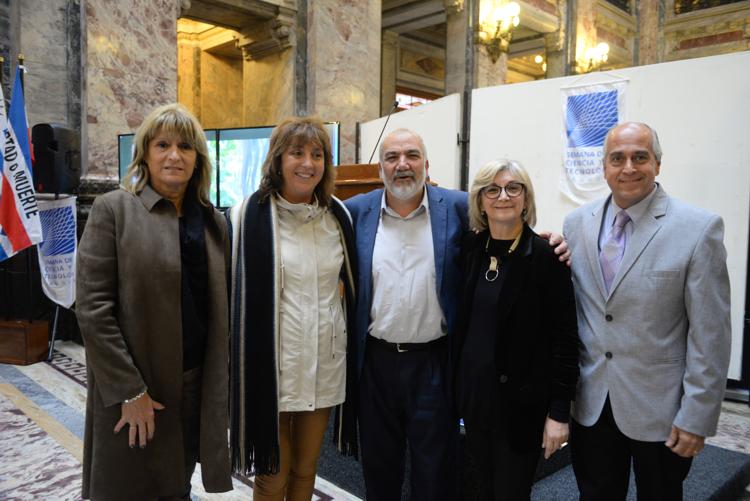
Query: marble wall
point(648, 31)
point(585, 30)
point(50, 41)
point(343, 65)
point(456, 57)
point(5, 45)
point(388, 70)
point(707, 32)
point(268, 88)
point(131, 68)
point(189, 70)
point(486, 72)
point(48, 34)
point(221, 91)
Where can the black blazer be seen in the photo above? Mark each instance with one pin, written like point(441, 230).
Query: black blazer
point(537, 319)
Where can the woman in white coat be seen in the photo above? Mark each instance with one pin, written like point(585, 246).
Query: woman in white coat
point(292, 283)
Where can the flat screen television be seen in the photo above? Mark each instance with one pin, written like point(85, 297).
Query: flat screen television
point(237, 156)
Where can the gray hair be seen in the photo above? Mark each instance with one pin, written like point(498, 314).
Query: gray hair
point(485, 177)
point(655, 145)
point(402, 130)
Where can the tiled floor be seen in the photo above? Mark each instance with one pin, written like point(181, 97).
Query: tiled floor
point(734, 432)
point(41, 432)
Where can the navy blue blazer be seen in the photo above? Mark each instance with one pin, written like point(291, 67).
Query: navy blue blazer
point(449, 218)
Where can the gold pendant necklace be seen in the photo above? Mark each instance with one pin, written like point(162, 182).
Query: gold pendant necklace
point(494, 270)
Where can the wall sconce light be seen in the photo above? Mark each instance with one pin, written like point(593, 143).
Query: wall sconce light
point(594, 58)
point(497, 20)
point(539, 59)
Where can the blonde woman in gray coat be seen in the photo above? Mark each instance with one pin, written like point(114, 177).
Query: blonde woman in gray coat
point(152, 308)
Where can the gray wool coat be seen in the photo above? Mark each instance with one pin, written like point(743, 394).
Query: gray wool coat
point(128, 308)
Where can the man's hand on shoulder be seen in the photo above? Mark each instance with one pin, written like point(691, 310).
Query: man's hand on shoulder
point(558, 242)
point(683, 443)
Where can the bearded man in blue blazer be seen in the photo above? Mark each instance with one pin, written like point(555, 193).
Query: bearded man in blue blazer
point(408, 245)
point(652, 291)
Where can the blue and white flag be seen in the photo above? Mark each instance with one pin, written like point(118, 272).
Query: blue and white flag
point(588, 113)
point(57, 252)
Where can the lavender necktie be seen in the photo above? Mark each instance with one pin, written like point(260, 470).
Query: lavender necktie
point(613, 248)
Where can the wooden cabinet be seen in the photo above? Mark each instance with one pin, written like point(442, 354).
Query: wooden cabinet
point(23, 342)
point(355, 179)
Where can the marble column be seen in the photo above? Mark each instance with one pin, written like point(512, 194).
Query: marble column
point(388, 71)
point(48, 34)
point(456, 60)
point(343, 65)
point(7, 21)
point(131, 68)
point(462, 68)
point(268, 89)
point(189, 74)
point(648, 31)
point(586, 35)
point(486, 72)
point(221, 91)
point(554, 45)
point(268, 73)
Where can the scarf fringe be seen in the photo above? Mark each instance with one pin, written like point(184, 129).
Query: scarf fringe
point(249, 465)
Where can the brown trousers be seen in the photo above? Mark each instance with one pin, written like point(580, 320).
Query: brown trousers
point(300, 440)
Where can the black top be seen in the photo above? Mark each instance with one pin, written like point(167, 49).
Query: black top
point(194, 284)
point(484, 334)
point(516, 338)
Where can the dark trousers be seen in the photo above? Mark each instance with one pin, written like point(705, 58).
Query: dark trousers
point(404, 398)
point(503, 474)
point(190, 412)
point(602, 455)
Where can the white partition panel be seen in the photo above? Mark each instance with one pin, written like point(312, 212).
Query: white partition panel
point(438, 122)
point(699, 107)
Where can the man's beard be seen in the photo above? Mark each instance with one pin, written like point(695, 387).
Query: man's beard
point(405, 191)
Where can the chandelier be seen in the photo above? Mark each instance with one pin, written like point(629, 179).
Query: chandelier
point(497, 20)
point(594, 57)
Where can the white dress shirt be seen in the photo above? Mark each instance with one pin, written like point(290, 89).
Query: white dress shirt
point(405, 306)
point(312, 329)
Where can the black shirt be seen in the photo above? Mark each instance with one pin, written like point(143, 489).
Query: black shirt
point(194, 284)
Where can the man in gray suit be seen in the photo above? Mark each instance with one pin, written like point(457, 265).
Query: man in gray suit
point(653, 316)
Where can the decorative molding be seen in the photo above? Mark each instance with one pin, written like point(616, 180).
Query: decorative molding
point(555, 42)
point(454, 6)
point(698, 34)
point(526, 47)
point(614, 16)
point(233, 14)
point(706, 17)
point(536, 19)
point(217, 37)
point(389, 39)
point(268, 37)
point(618, 29)
point(708, 13)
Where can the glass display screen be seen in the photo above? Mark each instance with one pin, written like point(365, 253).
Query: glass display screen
point(237, 156)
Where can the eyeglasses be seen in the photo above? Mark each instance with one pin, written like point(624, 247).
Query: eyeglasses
point(494, 191)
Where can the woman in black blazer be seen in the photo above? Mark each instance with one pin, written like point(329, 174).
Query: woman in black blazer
point(517, 336)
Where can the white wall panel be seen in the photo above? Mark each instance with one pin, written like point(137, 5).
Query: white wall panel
point(438, 122)
point(699, 107)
